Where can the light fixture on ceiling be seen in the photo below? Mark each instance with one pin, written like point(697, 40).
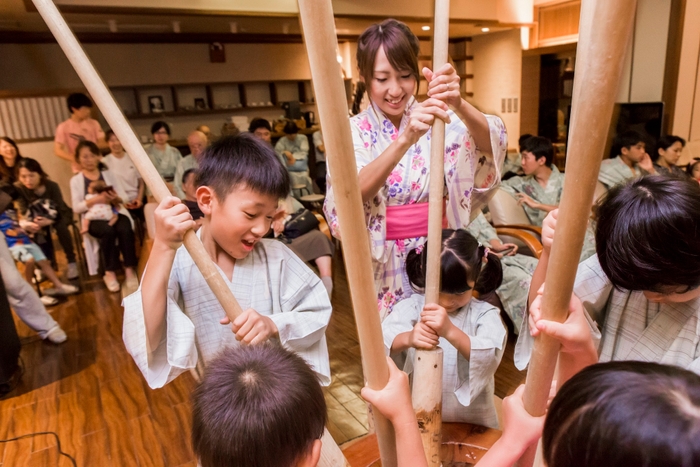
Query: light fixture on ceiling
point(285, 28)
point(485, 29)
point(234, 27)
point(176, 26)
point(425, 28)
point(112, 25)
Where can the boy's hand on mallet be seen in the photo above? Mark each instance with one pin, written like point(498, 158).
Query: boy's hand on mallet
point(173, 219)
point(252, 328)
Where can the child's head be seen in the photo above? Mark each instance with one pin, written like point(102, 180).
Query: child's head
point(693, 169)
point(647, 237)
point(387, 59)
point(522, 139)
point(258, 405)
point(621, 414)
point(465, 265)
point(261, 128)
point(537, 152)
point(96, 187)
point(290, 130)
point(240, 182)
point(669, 148)
point(80, 105)
point(629, 144)
point(30, 173)
point(189, 184)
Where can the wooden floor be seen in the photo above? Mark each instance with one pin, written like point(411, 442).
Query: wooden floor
point(89, 391)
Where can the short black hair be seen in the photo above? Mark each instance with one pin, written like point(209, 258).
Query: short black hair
point(626, 139)
point(461, 259)
point(187, 173)
point(78, 100)
point(539, 146)
point(158, 125)
point(243, 159)
point(522, 140)
point(664, 143)
point(625, 413)
point(257, 406)
point(259, 122)
point(290, 128)
point(648, 233)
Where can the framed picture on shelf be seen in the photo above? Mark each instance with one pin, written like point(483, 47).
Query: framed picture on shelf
point(155, 104)
point(199, 104)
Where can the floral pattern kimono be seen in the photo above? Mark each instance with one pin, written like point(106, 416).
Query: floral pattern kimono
point(469, 177)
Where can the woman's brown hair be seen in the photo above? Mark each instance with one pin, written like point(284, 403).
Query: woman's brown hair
point(400, 45)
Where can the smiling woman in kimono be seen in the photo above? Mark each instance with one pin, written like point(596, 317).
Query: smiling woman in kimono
point(392, 150)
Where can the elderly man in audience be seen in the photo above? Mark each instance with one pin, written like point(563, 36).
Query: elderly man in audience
point(293, 151)
point(197, 141)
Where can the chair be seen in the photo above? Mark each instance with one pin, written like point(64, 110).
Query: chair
point(513, 225)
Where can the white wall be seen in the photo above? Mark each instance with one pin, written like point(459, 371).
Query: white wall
point(643, 74)
point(497, 75)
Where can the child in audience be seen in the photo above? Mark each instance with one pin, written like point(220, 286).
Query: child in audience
point(76, 129)
point(263, 406)
point(174, 319)
point(628, 159)
point(469, 331)
point(29, 253)
point(98, 211)
point(643, 286)
point(693, 169)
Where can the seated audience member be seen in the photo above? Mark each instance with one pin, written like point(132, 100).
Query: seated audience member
point(539, 191)
point(310, 246)
point(629, 159)
point(163, 156)
point(25, 251)
point(693, 169)
point(517, 270)
point(174, 320)
point(197, 141)
point(643, 286)
point(261, 129)
point(98, 211)
point(116, 238)
point(320, 173)
point(119, 162)
point(206, 131)
point(25, 301)
point(293, 151)
point(513, 165)
point(189, 186)
point(262, 406)
point(79, 127)
point(41, 208)
point(9, 157)
point(668, 150)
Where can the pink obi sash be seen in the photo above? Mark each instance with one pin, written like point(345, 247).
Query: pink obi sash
point(409, 220)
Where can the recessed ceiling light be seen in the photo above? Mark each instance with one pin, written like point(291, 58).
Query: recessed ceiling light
point(485, 29)
point(425, 28)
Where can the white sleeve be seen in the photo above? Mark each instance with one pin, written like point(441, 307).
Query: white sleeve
point(77, 194)
point(487, 347)
point(176, 353)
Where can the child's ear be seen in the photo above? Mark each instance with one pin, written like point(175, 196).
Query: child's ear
point(205, 197)
point(624, 151)
point(312, 456)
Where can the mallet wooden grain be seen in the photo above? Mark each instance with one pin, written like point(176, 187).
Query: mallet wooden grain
point(427, 373)
point(321, 44)
point(604, 31)
point(331, 456)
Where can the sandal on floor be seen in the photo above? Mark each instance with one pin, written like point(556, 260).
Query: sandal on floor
point(48, 301)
